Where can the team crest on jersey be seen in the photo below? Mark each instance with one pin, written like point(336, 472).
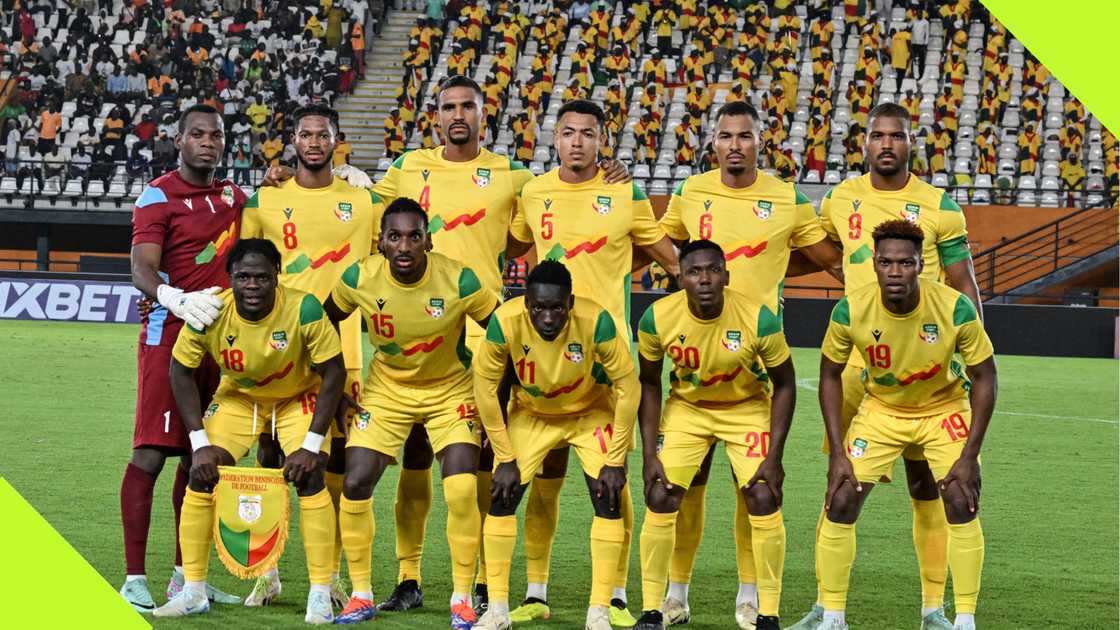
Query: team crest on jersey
point(574, 353)
point(249, 507)
point(345, 211)
point(733, 340)
point(929, 333)
point(210, 411)
point(910, 213)
point(434, 308)
point(763, 209)
point(602, 205)
point(227, 195)
point(288, 213)
point(858, 448)
point(481, 177)
point(362, 420)
point(279, 341)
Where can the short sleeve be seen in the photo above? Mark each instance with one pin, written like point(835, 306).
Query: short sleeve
point(190, 347)
point(649, 342)
point(672, 222)
point(972, 340)
point(519, 175)
point(519, 227)
point(807, 228)
point(645, 230)
point(251, 218)
point(952, 235)
point(837, 345)
point(150, 217)
point(386, 188)
point(318, 333)
point(479, 301)
point(772, 347)
point(345, 292)
point(826, 216)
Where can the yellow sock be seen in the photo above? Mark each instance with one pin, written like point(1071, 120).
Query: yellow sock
point(541, 515)
point(334, 487)
point(931, 539)
point(414, 501)
point(317, 526)
point(195, 524)
point(744, 545)
point(690, 529)
point(817, 555)
point(656, 550)
point(484, 478)
point(463, 528)
point(500, 536)
point(622, 569)
point(966, 558)
point(836, 550)
point(769, 538)
point(355, 519)
point(607, 540)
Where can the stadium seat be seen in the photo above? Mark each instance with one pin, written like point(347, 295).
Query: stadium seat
point(641, 171)
point(1049, 199)
point(832, 177)
point(1051, 183)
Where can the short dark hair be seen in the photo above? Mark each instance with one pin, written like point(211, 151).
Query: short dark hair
point(404, 205)
point(899, 229)
point(550, 272)
point(889, 110)
point(459, 80)
point(737, 108)
point(692, 247)
point(583, 106)
point(200, 108)
point(247, 246)
point(314, 110)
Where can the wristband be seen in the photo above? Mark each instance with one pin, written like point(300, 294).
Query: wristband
point(312, 442)
point(198, 439)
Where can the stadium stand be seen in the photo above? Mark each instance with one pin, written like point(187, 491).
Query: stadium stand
point(90, 91)
point(991, 123)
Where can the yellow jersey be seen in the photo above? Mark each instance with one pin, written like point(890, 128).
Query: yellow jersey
point(713, 360)
point(319, 232)
point(417, 329)
point(910, 370)
point(756, 244)
point(268, 360)
point(591, 227)
point(469, 204)
point(563, 377)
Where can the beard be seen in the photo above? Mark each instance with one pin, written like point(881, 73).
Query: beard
point(313, 167)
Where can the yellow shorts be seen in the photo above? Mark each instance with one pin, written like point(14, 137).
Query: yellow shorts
point(688, 431)
point(446, 410)
point(233, 422)
point(534, 436)
point(876, 439)
point(852, 380)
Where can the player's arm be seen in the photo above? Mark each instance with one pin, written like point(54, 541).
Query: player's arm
point(480, 301)
point(613, 353)
point(781, 417)
point(299, 465)
point(197, 308)
point(662, 251)
point(649, 421)
point(961, 275)
point(954, 253)
point(824, 255)
point(343, 297)
point(834, 356)
point(519, 240)
point(614, 172)
point(186, 356)
point(489, 365)
point(648, 235)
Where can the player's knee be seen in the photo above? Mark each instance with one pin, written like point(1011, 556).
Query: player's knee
point(358, 483)
point(149, 460)
point(661, 500)
point(919, 480)
point(760, 500)
point(844, 507)
point(312, 484)
point(956, 505)
point(603, 509)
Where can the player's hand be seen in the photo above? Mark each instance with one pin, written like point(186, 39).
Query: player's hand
point(198, 309)
point(771, 474)
point(839, 472)
point(342, 415)
point(353, 175)
point(611, 481)
point(144, 306)
point(966, 474)
point(614, 172)
point(204, 466)
point(503, 487)
point(653, 472)
point(276, 175)
point(300, 465)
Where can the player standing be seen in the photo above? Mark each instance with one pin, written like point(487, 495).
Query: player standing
point(575, 385)
point(917, 395)
point(713, 336)
point(757, 219)
point(183, 226)
point(889, 191)
point(416, 305)
point(569, 214)
point(321, 225)
point(280, 357)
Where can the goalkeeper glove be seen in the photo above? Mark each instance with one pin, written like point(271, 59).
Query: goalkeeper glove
point(198, 309)
point(353, 175)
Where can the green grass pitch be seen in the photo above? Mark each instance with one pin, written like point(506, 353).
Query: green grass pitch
point(1050, 508)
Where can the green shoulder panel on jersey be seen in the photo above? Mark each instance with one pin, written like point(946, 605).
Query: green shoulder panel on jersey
point(254, 201)
point(515, 165)
point(800, 197)
point(468, 283)
point(953, 251)
point(828, 195)
point(494, 331)
point(604, 328)
point(638, 193)
point(679, 190)
point(399, 162)
point(310, 310)
point(350, 276)
point(647, 324)
point(948, 204)
point(374, 197)
point(840, 313)
point(964, 311)
point(769, 322)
